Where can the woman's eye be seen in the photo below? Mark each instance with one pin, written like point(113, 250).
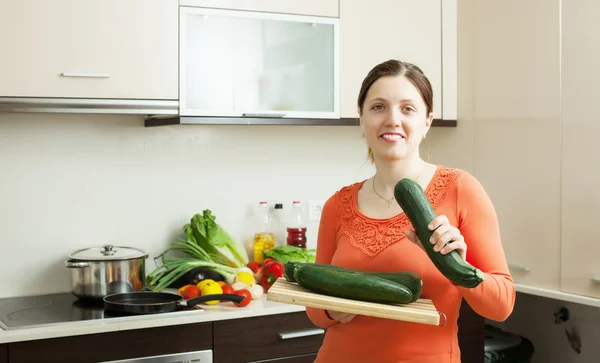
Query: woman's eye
point(409, 109)
point(377, 107)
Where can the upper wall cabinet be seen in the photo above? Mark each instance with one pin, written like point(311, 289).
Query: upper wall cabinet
point(328, 8)
point(110, 49)
point(256, 64)
point(374, 31)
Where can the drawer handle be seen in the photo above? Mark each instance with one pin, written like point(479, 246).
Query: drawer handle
point(595, 280)
point(518, 268)
point(300, 333)
point(85, 75)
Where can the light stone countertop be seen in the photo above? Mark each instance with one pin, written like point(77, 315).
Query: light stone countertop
point(223, 311)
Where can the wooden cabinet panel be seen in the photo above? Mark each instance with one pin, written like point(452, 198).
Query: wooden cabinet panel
point(580, 175)
point(3, 353)
point(265, 337)
point(402, 29)
point(90, 49)
point(111, 346)
point(328, 8)
point(471, 335)
point(516, 68)
point(518, 132)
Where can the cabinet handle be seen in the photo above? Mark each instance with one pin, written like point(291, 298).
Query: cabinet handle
point(518, 268)
point(85, 75)
point(300, 333)
point(268, 115)
point(595, 280)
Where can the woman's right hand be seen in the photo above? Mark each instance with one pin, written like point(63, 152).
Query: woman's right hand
point(339, 316)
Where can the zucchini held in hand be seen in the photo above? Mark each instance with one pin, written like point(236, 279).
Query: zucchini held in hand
point(351, 285)
point(411, 280)
point(413, 201)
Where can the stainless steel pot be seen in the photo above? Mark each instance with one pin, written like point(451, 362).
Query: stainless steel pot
point(100, 271)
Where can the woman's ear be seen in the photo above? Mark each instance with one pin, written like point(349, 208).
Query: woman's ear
point(429, 120)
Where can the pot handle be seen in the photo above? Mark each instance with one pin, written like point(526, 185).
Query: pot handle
point(77, 264)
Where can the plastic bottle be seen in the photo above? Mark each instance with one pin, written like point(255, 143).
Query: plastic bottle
point(279, 225)
point(296, 226)
point(263, 237)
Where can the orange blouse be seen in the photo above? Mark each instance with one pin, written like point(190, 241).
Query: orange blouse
point(350, 239)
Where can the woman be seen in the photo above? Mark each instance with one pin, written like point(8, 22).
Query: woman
point(362, 227)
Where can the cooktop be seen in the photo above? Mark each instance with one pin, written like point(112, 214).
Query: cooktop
point(53, 309)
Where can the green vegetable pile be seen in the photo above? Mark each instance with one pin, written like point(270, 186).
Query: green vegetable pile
point(289, 253)
point(206, 244)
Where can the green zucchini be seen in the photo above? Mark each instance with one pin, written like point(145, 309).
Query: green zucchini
point(410, 279)
point(413, 201)
point(350, 285)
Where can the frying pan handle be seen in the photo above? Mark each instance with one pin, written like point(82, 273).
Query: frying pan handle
point(197, 300)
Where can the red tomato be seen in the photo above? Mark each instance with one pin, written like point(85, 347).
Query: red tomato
point(191, 292)
point(247, 297)
point(227, 289)
point(267, 260)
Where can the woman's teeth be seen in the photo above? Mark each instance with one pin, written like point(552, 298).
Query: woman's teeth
point(391, 136)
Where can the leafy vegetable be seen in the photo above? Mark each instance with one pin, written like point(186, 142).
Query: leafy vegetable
point(288, 253)
point(206, 245)
point(218, 244)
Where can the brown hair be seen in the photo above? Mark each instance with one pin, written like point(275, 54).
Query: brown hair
point(395, 67)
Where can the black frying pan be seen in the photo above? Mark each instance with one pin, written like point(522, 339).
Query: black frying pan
point(148, 302)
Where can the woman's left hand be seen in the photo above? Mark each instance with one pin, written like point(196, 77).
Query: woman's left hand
point(445, 238)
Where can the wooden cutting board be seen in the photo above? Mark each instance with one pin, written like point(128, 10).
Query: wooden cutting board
point(421, 311)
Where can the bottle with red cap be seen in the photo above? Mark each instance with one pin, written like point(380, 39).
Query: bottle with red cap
point(296, 226)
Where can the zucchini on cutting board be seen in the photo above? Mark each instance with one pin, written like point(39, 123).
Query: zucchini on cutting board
point(421, 311)
point(413, 201)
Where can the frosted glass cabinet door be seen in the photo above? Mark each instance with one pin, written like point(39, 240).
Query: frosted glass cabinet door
point(235, 63)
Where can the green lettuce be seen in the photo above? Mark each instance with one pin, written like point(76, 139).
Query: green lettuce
point(288, 253)
point(215, 241)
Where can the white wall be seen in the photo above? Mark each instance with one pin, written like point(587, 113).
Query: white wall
point(77, 181)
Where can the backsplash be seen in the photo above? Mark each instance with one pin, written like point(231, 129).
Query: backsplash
point(77, 181)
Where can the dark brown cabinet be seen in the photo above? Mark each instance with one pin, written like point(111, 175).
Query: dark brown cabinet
point(126, 344)
point(280, 338)
point(266, 337)
point(3, 353)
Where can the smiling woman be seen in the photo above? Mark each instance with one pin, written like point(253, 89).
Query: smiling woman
point(363, 228)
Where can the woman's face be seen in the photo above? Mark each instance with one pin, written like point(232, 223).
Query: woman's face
point(394, 118)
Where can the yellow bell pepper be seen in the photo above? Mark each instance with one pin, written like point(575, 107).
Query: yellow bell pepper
point(211, 288)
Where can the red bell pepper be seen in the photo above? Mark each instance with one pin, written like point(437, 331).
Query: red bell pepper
point(271, 271)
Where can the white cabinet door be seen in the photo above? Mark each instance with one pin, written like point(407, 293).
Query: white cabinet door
point(580, 157)
point(374, 31)
point(517, 147)
point(329, 8)
point(121, 49)
point(240, 63)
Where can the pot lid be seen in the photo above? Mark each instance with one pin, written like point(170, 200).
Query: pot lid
point(107, 253)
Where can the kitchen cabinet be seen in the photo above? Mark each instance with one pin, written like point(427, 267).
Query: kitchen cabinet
point(517, 132)
point(125, 344)
point(251, 64)
point(374, 31)
point(580, 127)
point(3, 353)
point(329, 8)
point(273, 336)
point(117, 49)
point(281, 338)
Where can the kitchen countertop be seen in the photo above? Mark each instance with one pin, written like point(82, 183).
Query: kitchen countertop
point(209, 313)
